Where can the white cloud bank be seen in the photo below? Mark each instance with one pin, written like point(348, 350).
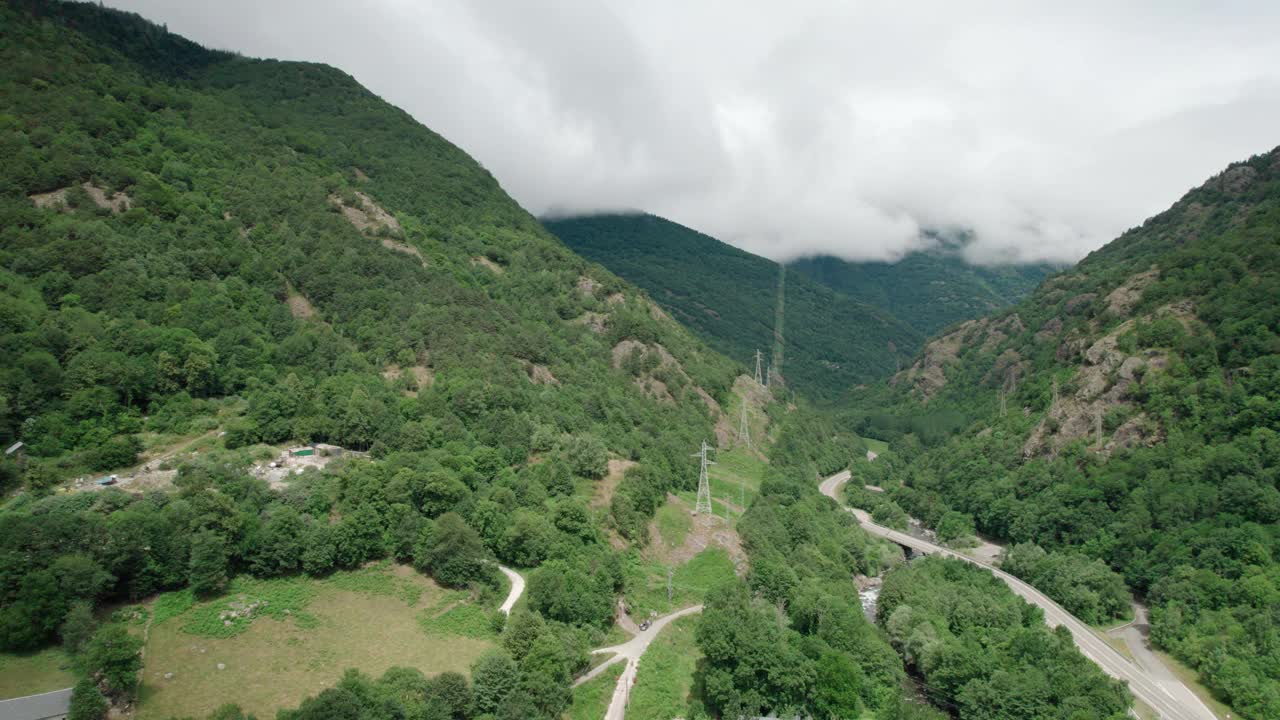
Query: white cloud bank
point(1046, 128)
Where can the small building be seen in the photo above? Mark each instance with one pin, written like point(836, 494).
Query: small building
point(303, 451)
point(46, 706)
point(14, 448)
point(328, 450)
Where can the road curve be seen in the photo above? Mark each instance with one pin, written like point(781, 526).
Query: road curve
point(1170, 701)
point(630, 652)
point(517, 589)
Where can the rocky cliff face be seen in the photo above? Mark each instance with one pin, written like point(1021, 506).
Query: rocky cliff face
point(1078, 357)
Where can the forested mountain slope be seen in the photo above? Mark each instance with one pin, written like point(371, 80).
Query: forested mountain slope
point(194, 243)
point(928, 290)
point(183, 224)
point(1140, 425)
point(730, 297)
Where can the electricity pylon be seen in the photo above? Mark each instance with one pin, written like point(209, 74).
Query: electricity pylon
point(744, 432)
point(704, 484)
point(1010, 386)
point(759, 377)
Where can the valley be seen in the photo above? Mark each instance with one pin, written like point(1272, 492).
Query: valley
point(307, 416)
point(1150, 682)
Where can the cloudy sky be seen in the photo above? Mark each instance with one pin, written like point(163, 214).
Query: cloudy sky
point(1045, 128)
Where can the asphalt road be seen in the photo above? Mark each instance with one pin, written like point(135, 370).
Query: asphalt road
point(1170, 700)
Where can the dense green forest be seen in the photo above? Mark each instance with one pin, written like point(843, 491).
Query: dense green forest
point(1127, 413)
point(730, 297)
point(927, 289)
point(195, 244)
point(984, 652)
point(974, 648)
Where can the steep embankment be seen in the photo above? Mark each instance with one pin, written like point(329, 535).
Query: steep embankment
point(731, 298)
point(1130, 411)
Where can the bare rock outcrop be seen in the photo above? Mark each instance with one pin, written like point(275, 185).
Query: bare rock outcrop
point(1101, 388)
point(593, 321)
point(1050, 329)
point(540, 374)
point(927, 376)
point(1124, 298)
point(57, 199)
point(491, 266)
point(587, 286)
point(1234, 180)
point(365, 214)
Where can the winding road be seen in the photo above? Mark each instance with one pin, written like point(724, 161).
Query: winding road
point(630, 652)
point(517, 589)
point(1161, 691)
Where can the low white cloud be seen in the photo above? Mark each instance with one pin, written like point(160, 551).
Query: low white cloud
point(1044, 129)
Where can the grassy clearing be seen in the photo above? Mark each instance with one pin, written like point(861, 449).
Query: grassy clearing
point(876, 446)
point(663, 685)
point(302, 639)
point(591, 699)
point(646, 583)
point(737, 465)
point(34, 673)
point(674, 525)
point(735, 478)
point(455, 617)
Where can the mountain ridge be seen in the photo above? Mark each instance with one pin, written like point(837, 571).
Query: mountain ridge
point(928, 289)
point(730, 297)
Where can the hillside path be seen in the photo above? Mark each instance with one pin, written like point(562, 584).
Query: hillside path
point(517, 589)
point(1170, 698)
point(630, 652)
